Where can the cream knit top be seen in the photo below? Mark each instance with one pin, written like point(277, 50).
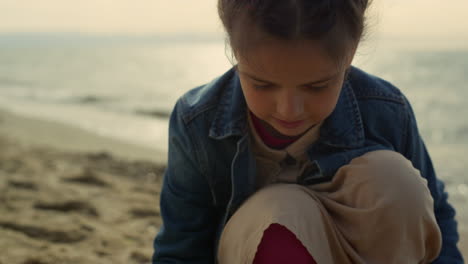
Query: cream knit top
point(281, 165)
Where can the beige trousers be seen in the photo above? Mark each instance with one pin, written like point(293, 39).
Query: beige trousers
point(377, 209)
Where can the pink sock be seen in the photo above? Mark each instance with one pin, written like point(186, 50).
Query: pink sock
point(279, 245)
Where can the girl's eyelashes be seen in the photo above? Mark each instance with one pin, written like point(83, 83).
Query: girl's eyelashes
point(316, 88)
point(263, 86)
point(307, 88)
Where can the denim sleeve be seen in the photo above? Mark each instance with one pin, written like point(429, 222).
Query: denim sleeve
point(187, 230)
point(415, 150)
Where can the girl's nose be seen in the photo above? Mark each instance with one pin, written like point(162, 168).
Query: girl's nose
point(290, 106)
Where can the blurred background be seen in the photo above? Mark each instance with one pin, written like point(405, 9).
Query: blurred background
point(103, 75)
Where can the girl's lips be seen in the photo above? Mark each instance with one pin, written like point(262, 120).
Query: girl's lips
point(287, 124)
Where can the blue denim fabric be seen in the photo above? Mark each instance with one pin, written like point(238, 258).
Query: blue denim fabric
point(211, 169)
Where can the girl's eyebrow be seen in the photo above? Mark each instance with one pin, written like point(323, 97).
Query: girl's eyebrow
point(308, 83)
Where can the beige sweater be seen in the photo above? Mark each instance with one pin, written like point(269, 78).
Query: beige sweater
point(281, 166)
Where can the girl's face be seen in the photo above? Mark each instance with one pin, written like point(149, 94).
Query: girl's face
point(291, 86)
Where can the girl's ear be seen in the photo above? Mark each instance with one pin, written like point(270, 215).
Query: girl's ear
point(347, 63)
point(347, 73)
point(350, 58)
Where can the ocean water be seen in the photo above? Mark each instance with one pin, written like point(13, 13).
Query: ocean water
point(126, 88)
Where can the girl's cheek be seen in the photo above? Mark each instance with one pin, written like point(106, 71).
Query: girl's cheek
point(250, 94)
point(321, 105)
point(260, 102)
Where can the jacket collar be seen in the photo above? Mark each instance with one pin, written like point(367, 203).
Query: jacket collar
point(230, 118)
point(342, 129)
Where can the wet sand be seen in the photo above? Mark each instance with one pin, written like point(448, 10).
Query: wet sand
point(68, 196)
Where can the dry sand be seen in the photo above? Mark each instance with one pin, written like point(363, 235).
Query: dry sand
point(78, 205)
point(68, 196)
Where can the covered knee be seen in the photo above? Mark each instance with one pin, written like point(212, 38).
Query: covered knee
point(277, 199)
point(287, 204)
point(389, 179)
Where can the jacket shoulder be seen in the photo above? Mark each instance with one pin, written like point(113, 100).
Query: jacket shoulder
point(367, 86)
point(204, 97)
point(384, 109)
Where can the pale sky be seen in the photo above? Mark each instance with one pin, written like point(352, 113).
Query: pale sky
point(398, 18)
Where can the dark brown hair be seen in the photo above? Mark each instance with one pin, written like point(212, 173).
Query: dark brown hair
point(338, 25)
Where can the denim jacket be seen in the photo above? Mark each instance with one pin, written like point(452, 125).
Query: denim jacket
point(211, 168)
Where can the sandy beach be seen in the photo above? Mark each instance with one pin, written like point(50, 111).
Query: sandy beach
point(69, 196)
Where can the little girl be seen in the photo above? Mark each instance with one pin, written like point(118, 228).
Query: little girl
point(295, 156)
